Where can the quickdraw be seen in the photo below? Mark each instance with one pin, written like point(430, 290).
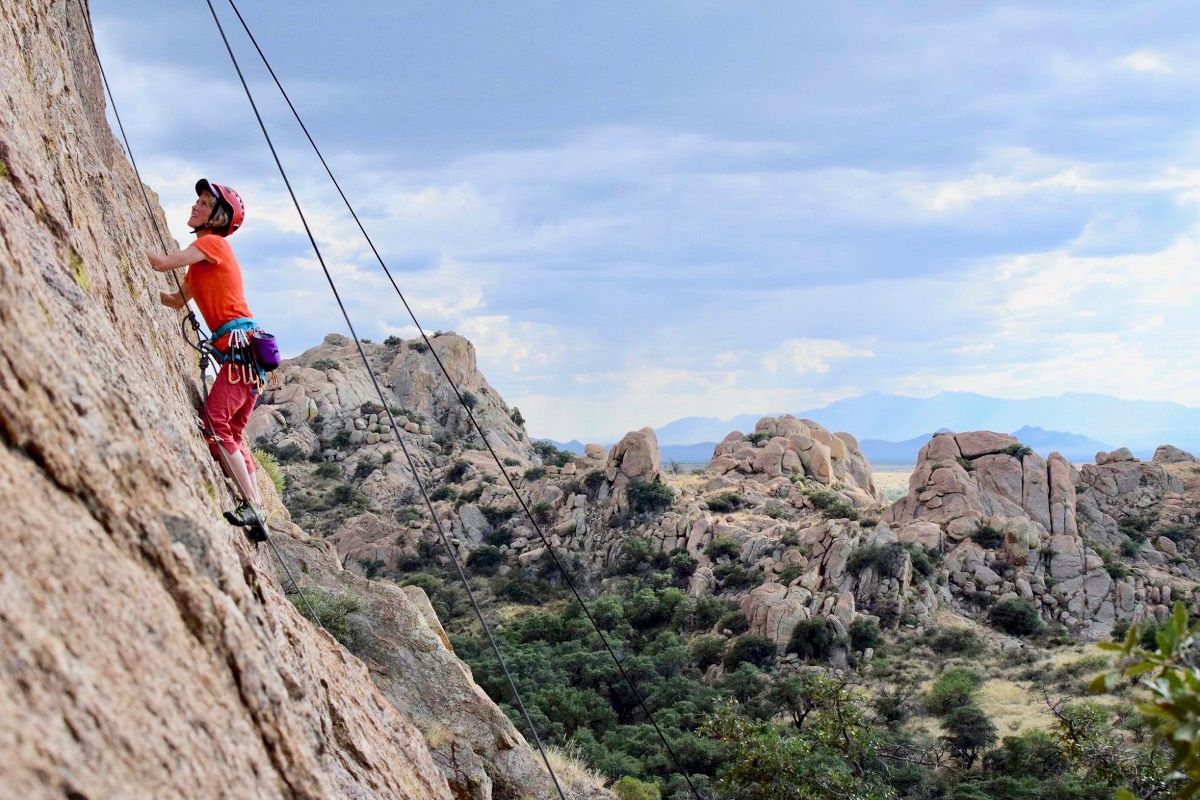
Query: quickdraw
point(240, 358)
point(239, 353)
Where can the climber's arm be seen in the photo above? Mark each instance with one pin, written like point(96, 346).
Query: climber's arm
point(177, 300)
point(180, 258)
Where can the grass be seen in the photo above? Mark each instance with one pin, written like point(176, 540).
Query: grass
point(572, 771)
point(268, 464)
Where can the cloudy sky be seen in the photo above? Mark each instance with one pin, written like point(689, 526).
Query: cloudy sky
point(640, 211)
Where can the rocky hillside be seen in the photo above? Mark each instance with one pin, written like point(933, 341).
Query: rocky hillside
point(146, 650)
point(785, 519)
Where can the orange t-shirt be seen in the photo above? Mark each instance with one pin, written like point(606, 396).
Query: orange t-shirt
point(216, 283)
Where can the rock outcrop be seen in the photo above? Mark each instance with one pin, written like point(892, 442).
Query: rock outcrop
point(786, 447)
point(1012, 524)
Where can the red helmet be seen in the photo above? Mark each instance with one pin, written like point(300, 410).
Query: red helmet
point(224, 195)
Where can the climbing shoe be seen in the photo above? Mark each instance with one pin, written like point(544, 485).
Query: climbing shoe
point(247, 516)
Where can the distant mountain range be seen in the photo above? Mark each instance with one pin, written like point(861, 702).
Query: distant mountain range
point(892, 428)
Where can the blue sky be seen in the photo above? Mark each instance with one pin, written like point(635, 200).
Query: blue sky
point(644, 211)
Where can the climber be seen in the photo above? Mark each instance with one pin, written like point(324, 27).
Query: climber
point(214, 281)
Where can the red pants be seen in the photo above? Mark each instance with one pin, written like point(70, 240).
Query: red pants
point(227, 412)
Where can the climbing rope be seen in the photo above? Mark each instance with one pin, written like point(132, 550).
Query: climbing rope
point(383, 401)
point(450, 381)
point(201, 344)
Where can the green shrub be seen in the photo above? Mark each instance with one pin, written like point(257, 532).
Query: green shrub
point(497, 515)
point(954, 642)
point(443, 493)
point(1015, 616)
point(681, 564)
point(1177, 533)
point(832, 505)
point(735, 622)
point(706, 651)
point(408, 513)
point(341, 439)
point(723, 546)
point(331, 613)
point(865, 633)
point(325, 364)
point(822, 498)
point(1018, 450)
point(1032, 753)
point(988, 537)
point(736, 577)
point(511, 462)
point(534, 473)
point(592, 481)
point(420, 347)
point(628, 788)
point(954, 688)
point(285, 454)
point(813, 638)
point(469, 399)
point(790, 573)
point(725, 502)
point(552, 455)
point(885, 559)
point(750, 648)
point(270, 466)
point(327, 470)
point(343, 494)
point(648, 497)
point(458, 470)
point(542, 512)
point(758, 436)
point(969, 732)
point(500, 537)
point(364, 468)
point(517, 417)
point(485, 560)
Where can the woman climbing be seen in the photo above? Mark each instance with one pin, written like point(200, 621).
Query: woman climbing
point(214, 281)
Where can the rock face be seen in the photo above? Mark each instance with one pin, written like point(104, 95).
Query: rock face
point(1051, 534)
point(785, 446)
point(395, 631)
point(145, 649)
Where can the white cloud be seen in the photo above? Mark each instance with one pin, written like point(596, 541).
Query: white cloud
point(811, 355)
point(1145, 61)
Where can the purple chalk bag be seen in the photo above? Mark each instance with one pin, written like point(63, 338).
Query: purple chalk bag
point(266, 352)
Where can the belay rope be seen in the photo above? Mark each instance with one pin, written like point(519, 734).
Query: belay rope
point(189, 323)
point(549, 549)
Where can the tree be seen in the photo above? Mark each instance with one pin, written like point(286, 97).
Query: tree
point(1015, 616)
point(968, 732)
point(813, 638)
point(954, 688)
point(822, 764)
point(750, 648)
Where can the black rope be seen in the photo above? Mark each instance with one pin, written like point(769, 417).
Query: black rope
point(478, 428)
point(383, 401)
point(201, 343)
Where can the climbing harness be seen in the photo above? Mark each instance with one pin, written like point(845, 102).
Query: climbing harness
point(248, 361)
